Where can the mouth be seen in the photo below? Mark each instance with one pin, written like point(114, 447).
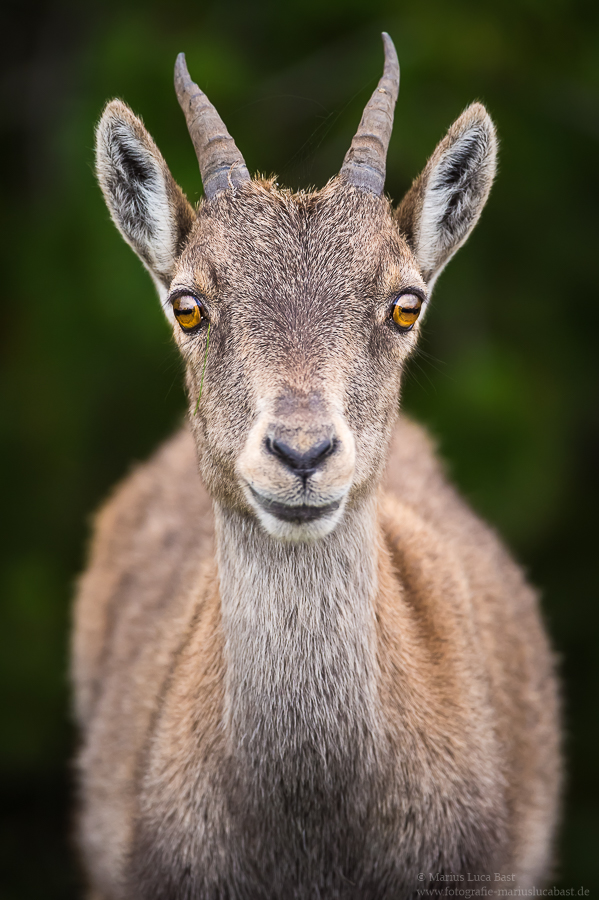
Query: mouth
point(298, 515)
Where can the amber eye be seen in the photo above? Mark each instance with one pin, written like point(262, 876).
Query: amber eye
point(406, 310)
point(188, 312)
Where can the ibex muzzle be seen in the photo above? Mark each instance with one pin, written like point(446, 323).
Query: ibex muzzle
point(298, 465)
point(297, 676)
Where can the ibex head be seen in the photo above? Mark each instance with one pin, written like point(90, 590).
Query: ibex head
point(302, 308)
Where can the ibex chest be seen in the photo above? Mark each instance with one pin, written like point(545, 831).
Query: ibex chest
point(312, 821)
point(281, 776)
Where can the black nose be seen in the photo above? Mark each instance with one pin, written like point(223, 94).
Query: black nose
point(303, 464)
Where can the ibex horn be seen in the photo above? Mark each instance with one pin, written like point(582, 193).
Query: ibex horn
point(365, 161)
point(221, 164)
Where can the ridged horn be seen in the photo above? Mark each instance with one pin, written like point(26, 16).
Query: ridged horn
point(365, 161)
point(221, 163)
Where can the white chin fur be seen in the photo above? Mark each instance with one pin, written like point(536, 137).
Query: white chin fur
point(305, 532)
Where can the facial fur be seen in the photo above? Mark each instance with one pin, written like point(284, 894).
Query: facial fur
point(307, 350)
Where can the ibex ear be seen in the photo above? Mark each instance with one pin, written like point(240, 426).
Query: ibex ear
point(444, 203)
point(147, 205)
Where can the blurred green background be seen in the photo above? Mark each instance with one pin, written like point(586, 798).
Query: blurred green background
point(90, 381)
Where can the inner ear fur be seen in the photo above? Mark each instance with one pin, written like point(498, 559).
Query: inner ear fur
point(445, 201)
point(145, 202)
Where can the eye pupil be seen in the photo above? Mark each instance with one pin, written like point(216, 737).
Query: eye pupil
point(187, 311)
point(406, 311)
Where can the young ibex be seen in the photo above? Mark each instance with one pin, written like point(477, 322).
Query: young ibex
point(298, 676)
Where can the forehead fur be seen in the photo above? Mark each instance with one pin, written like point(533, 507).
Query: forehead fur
point(268, 235)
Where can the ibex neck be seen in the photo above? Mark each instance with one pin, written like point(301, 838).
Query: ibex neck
point(299, 626)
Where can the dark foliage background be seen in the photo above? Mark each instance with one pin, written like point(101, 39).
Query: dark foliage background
point(507, 377)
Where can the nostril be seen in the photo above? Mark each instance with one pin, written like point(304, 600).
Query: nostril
point(303, 463)
point(319, 452)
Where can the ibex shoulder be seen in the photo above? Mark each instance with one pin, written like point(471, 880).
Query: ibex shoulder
point(147, 540)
